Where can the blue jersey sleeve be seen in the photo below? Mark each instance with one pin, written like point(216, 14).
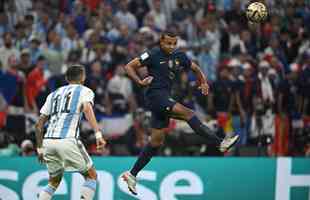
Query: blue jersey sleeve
point(185, 61)
point(145, 58)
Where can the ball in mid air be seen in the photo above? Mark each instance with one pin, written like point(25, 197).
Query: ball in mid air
point(256, 12)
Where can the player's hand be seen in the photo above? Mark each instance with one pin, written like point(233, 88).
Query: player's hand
point(40, 155)
point(100, 142)
point(204, 88)
point(146, 81)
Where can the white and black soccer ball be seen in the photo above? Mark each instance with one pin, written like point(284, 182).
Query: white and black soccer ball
point(256, 12)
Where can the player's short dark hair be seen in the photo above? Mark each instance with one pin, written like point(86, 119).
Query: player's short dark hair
point(75, 72)
point(168, 33)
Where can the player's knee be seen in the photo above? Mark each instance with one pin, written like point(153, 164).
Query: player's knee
point(188, 114)
point(156, 143)
point(157, 140)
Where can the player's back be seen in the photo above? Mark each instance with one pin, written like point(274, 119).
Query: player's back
point(64, 106)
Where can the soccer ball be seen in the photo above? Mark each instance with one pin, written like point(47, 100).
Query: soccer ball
point(256, 12)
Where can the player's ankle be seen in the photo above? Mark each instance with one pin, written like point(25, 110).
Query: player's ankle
point(132, 173)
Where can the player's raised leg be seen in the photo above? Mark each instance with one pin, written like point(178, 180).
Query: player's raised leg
point(157, 139)
point(89, 187)
point(48, 192)
point(181, 112)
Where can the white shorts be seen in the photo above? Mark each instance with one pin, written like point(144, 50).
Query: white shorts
point(65, 155)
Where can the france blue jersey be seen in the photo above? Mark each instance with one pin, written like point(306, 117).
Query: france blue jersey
point(164, 67)
point(64, 107)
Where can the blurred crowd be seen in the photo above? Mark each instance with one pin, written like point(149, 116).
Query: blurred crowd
point(259, 74)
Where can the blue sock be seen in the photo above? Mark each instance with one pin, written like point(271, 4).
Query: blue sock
point(46, 193)
point(203, 130)
point(88, 189)
point(90, 183)
point(145, 156)
point(49, 190)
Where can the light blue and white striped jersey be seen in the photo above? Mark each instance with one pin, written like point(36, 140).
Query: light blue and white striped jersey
point(64, 106)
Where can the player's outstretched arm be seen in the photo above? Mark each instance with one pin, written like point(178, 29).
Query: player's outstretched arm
point(202, 81)
point(90, 116)
point(39, 129)
point(39, 135)
point(131, 70)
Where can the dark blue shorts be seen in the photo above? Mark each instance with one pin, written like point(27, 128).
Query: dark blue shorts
point(160, 104)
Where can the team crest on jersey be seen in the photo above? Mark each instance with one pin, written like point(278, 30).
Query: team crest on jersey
point(177, 62)
point(170, 64)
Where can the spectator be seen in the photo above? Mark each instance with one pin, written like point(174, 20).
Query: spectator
point(88, 52)
point(236, 14)
point(248, 93)
point(305, 86)
point(265, 86)
point(288, 103)
point(71, 41)
point(183, 9)
point(223, 97)
point(289, 91)
point(121, 97)
point(3, 26)
point(97, 81)
point(11, 13)
point(35, 82)
point(19, 97)
point(80, 15)
point(230, 39)
point(7, 50)
point(275, 50)
point(27, 148)
point(184, 91)
point(237, 110)
point(29, 25)
point(207, 62)
point(25, 62)
point(34, 48)
point(137, 134)
point(20, 36)
point(54, 53)
point(60, 25)
point(213, 36)
point(22, 6)
point(44, 24)
point(125, 17)
point(121, 45)
point(158, 15)
point(248, 43)
point(139, 8)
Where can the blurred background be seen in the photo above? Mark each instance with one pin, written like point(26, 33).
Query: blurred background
point(259, 75)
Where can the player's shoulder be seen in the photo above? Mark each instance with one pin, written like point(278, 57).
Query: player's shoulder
point(78, 87)
point(179, 52)
point(49, 96)
point(86, 89)
point(150, 52)
point(56, 91)
point(155, 50)
point(182, 57)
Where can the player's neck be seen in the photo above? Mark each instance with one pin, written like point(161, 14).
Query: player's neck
point(164, 52)
point(75, 83)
